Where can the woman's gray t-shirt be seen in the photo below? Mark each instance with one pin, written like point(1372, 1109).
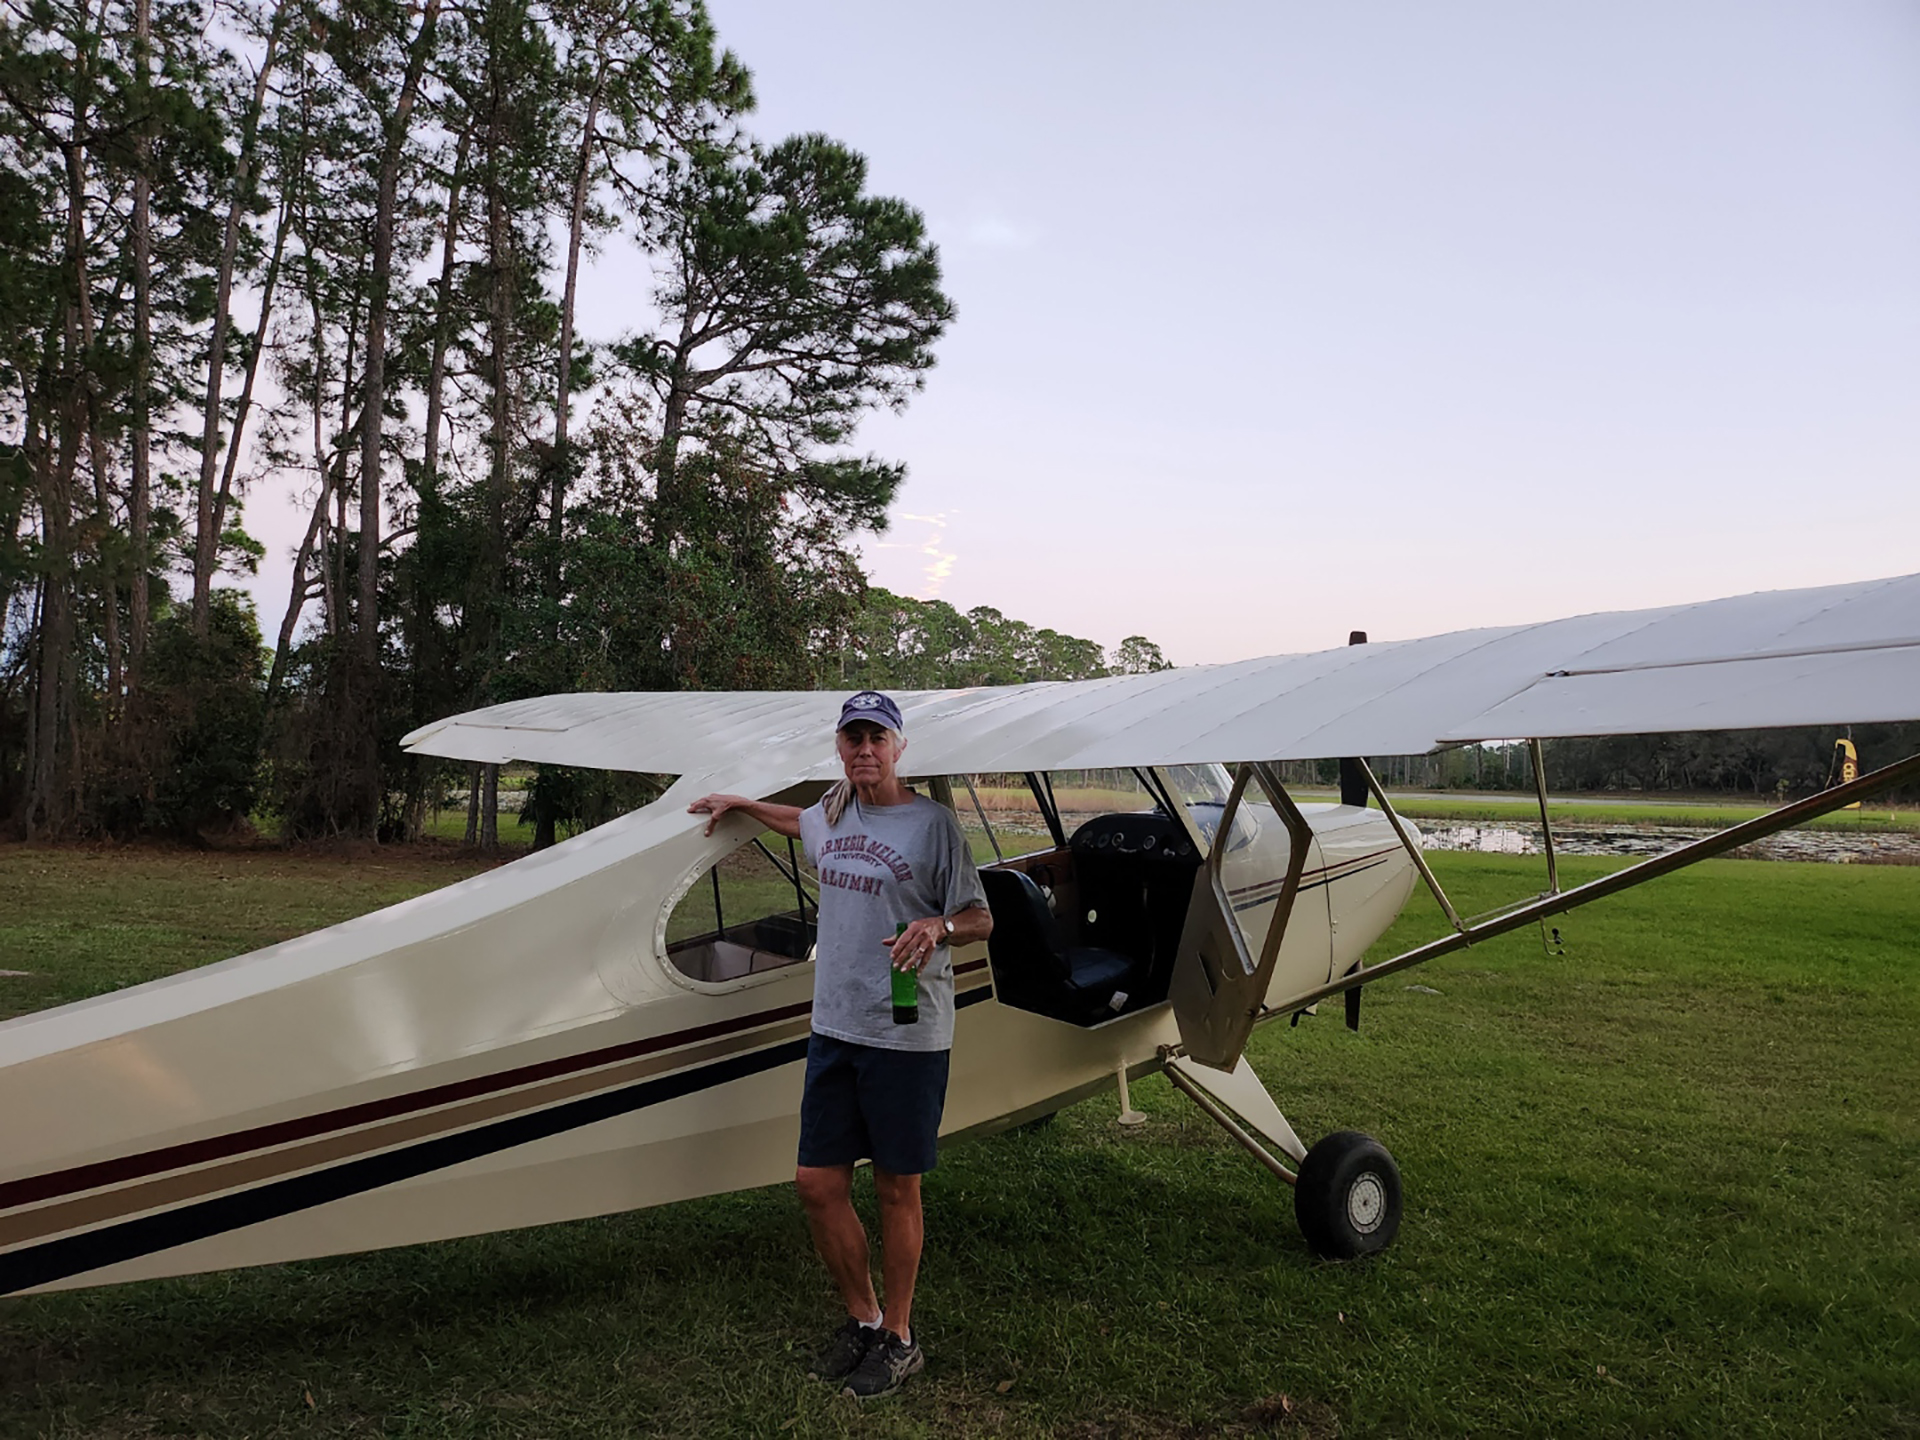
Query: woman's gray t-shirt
point(881, 866)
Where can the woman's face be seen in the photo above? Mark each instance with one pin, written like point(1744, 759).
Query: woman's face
point(868, 753)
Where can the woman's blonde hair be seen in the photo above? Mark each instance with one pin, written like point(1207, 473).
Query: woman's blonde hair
point(834, 803)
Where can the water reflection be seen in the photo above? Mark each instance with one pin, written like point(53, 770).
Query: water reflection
point(1488, 839)
point(1021, 831)
point(1499, 837)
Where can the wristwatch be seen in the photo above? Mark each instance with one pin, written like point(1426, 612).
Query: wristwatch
point(947, 920)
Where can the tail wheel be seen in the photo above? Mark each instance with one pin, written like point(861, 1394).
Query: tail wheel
point(1348, 1196)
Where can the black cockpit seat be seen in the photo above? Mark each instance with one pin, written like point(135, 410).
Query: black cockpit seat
point(1135, 875)
point(1033, 966)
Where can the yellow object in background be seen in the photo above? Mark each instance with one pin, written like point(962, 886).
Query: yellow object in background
point(1849, 765)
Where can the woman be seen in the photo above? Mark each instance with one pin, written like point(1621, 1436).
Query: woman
point(898, 889)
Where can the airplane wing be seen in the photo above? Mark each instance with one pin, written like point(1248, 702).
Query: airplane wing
point(1832, 655)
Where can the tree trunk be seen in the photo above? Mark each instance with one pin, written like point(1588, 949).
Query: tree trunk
point(140, 495)
point(224, 495)
point(297, 591)
point(673, 420)
point(499, 330)
point(379, 287)
point(576, 226)
point(362, 689)
point(443, 316)
point(88, 408)
point(334, 572)
point(206, 549)
point(484, 584)
point(53, 696)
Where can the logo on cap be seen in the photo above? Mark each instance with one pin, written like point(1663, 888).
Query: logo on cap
point(873, 706)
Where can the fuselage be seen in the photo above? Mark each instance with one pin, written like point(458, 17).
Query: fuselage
point(519, 1049)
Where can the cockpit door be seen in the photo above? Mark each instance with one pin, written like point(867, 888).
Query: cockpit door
point(1219, 977)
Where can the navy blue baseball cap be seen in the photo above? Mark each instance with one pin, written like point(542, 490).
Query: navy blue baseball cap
point(872, 705)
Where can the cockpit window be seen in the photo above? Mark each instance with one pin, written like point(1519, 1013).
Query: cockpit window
point(1000, 815)
point(754, 911)
point(1204, 789)
point(1082, 794)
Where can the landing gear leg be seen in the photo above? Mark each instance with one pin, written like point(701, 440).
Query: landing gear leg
point(1223, 1095)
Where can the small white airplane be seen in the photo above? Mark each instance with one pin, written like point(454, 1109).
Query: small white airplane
point(556, 1038)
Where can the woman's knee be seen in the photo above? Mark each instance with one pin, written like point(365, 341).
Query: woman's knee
point(822, 1187)
point(896, 1189)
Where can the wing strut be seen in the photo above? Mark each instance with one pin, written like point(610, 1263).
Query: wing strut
point(985, 824)
point(1705, 848)
point(1406, 840)
point(1546, 824)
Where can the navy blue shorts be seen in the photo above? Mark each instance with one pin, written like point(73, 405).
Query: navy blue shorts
point(866, 1103)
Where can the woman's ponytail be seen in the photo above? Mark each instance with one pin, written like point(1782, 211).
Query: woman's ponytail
point(834, 803)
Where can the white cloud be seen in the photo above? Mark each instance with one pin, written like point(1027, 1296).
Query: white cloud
point(940, 561)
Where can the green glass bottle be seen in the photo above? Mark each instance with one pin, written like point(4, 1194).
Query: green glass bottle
point(906, 989)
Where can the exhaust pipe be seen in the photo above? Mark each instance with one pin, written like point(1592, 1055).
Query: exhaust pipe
point(1353, 791)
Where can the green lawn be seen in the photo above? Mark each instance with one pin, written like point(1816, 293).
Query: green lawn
point(83, 921)
point(1663, 1184)
point(451, 824)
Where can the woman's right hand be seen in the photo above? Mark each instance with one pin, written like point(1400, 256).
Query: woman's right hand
point(715, 807)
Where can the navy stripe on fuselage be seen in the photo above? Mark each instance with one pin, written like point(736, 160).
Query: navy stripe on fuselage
point(128, 1240)
point(52, 1184)
point(1306, 885)
point(32, 1188)
point(1311, 879)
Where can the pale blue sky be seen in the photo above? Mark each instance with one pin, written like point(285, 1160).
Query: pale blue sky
point(1282, 319)
point(1278, 320)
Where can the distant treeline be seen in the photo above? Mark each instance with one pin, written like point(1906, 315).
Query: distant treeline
point(902, 643)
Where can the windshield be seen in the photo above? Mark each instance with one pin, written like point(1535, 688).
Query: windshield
point(1204, 789)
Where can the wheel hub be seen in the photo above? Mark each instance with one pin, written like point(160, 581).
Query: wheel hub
point(1366, 1203)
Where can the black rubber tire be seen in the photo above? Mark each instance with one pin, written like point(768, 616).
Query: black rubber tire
point(1348, 1196)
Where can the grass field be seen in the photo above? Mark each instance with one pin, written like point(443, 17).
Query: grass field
point(451, 825)
point(1664, 1184)
point(83, 921)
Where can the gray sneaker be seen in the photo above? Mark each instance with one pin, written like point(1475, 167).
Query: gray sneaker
point(885, 1367)
point(843, 1352)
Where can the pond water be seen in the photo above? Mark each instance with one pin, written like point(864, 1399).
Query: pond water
point(1514, 837)
point(1019, 831)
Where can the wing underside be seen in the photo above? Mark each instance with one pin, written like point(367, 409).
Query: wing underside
point(1836, 654)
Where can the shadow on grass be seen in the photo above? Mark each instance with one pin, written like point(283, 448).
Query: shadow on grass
point(1010, 1219)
